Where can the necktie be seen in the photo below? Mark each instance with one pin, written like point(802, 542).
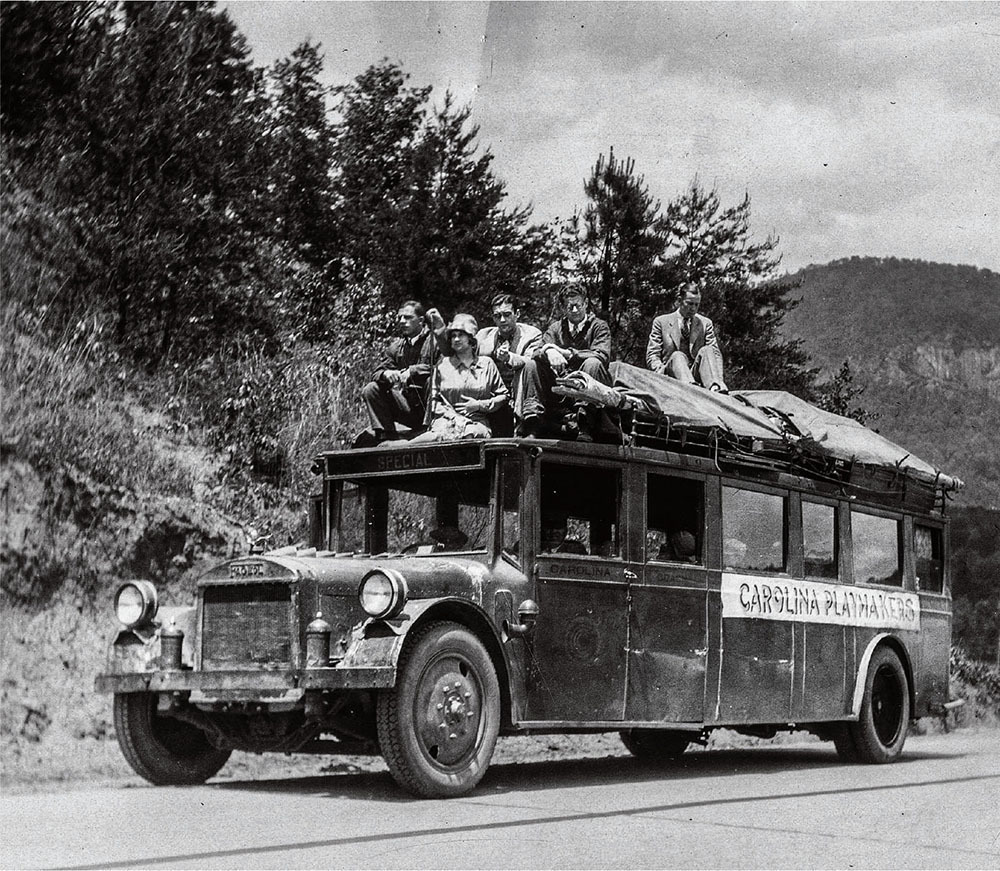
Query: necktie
point(686, 336)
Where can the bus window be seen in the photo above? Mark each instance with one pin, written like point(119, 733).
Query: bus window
point(927, 547)
point(753, 530)
point(576, 524)
point(819, 539)
point(511, 523)
point(876, 549)
point(674, 512)
point(351, 521)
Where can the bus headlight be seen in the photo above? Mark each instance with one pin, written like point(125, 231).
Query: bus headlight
point(382, 593)
point(136, 603)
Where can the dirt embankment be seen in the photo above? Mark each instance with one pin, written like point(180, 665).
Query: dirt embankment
point(65, 544)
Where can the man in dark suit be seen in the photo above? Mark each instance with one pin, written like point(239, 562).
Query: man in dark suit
point(683, 345)
point(579, 341)
point(397, 392)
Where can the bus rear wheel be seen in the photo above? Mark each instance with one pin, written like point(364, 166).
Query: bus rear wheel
point(655, 744)
point(880, 732)
point(438, 727)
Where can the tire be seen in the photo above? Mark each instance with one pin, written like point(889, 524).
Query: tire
point(163, 750)
point(880, 732)
point(655, 745)
point(438, 727)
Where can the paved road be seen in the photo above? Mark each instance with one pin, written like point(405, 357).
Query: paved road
point(789, 806)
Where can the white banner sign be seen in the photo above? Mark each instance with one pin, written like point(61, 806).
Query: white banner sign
point(754, 597)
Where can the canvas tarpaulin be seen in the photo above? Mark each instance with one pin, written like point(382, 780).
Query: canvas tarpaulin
point(771, 415)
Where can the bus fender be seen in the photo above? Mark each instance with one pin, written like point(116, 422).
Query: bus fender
point(861, 676)
point(381, 641)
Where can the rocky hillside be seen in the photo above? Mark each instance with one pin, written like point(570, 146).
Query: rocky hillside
point(923, 339)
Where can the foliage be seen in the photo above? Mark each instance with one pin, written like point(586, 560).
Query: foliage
point(838, 396)
point(614, 252)
point(416, 208)
point(711, 245)
point(296, 151)
point(861, 308)
point(976, 580)
point(978, 683)
point(146, 161)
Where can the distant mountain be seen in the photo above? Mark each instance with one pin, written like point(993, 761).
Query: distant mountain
point(924, 340)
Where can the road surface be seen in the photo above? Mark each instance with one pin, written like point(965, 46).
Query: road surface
point(780, 806)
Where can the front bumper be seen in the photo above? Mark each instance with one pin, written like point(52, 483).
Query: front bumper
point(251, 682)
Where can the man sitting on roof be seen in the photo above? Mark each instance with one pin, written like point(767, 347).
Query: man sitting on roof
point(509, 344)
point(397, 392)
point(578, 341)
point(683, 345)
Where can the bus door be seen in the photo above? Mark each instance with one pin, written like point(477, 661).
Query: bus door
point(824, 640)
point(757, 638)
point(668, 647)
point(582, 585)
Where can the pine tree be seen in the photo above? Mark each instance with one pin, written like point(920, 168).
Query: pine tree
point(418, 208)
point(298, 153)
point(740, 290)
point(614, 250)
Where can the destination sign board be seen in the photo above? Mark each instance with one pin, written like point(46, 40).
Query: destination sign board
point(403, 460)
point(759, 598)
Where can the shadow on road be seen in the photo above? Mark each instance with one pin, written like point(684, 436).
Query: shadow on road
point(513, 778)
point(577, 772)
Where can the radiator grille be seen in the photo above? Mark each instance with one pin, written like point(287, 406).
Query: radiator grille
point(246, 625)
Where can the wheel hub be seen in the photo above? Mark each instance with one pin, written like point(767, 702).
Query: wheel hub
point(452, 713)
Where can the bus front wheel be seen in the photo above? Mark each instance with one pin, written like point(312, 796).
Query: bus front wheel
point(163, 750)
point(437, 728)
point(880, 732)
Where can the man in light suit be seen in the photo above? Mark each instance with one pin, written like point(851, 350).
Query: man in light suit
point(510, 344)
point(683, 345)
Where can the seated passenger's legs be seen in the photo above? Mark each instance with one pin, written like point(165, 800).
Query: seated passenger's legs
point(387, 407)
point(679, 367)
point(538, 381)
point(707, 368)
point(596, 369)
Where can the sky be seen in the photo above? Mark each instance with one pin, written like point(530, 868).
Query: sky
point(869, 129)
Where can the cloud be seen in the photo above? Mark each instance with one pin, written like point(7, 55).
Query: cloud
point(856, 127)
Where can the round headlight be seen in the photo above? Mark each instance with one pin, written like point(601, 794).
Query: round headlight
point(382, 593)
point(135, 603)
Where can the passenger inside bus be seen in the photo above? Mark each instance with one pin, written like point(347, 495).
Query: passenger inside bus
point(674, 516)
point(680, 546)
point(571, 525)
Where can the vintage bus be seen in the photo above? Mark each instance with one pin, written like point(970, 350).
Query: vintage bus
point(684, 580)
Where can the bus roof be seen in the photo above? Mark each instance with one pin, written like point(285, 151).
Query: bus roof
point(760, 435)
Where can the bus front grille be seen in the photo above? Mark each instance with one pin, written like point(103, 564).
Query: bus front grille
point(247, 625)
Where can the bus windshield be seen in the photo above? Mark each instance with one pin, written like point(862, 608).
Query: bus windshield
point(423, 513)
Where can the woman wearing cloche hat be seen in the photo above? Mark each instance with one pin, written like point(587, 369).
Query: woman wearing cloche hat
point(465, 388)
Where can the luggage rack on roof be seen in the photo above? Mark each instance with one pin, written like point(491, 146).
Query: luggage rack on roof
point(761, 459)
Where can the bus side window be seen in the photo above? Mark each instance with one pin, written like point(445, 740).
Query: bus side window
point(877, 558)
point(511, 521)
point(674, 519)
point(574, 524)
point(927, 548)
point(754, 529)
point(819, 539)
